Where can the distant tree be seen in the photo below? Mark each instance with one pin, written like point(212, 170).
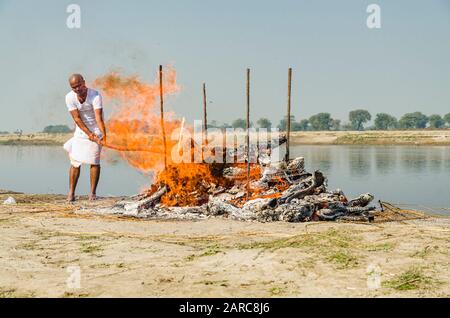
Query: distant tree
point(56, 129)
point(4, 132)
point(413, 120)
point(321, 121)
point(239, 123)
point(335, 124)
point(436, 121)
point(358, 117)
point(385, 121)
point(212, 124)
point(295, 126)
point(283, 123)
point(447, 118)
point(302, 125)
point(225, 125)
point(346, 126)
point(264, 123)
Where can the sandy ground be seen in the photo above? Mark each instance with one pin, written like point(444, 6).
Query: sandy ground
point(44, 243)
point(400, 137)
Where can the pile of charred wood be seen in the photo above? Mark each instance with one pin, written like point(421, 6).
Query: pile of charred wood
point(282, 192)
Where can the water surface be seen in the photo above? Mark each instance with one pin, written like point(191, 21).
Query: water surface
point(417, 175)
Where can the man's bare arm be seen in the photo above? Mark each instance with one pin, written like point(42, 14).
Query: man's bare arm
point(101, 123)
point(76, 117)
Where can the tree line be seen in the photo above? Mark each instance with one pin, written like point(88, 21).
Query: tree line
point(50, 129)
point(57, 129)
point(357, 120)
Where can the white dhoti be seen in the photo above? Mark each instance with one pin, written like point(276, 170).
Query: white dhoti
point(82, 150)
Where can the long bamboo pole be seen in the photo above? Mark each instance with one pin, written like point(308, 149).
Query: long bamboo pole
point(248, 132)
point(205, 119)
point(162, 114)
point(288, 124)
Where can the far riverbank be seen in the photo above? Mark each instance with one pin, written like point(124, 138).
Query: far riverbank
point(396, 137)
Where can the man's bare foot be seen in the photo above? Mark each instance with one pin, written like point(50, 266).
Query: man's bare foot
point(92, 197)
point(70, 198)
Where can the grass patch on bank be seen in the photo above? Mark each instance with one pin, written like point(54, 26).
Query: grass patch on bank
point(107, 265)
point(343, 259)
point(29, 246)
point(87, 237)
point(75, 295)
point(412, 279)
point(333, 246)
point(223, 283)
point(426, 251)
point(13, 293)
point(330, 238)
point(275, 291)
point(90, 248)
point(383, 247)
point(209, 251)
point(294, 242)
point(8, 293)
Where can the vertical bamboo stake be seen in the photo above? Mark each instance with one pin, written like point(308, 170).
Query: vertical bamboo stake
point(205, 120)
point(162, 114)
point(288, 124)
point(248, 133)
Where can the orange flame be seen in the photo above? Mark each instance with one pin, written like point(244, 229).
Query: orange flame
point(134, 127)
point(189, 183)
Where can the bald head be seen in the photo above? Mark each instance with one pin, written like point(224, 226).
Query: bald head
point(77, 84)
point(75, 78)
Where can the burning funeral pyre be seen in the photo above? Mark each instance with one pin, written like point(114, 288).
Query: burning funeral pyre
point(278, 192)
point(265, 190)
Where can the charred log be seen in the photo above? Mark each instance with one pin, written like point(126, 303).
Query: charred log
point(153, 199)
point(303, 188)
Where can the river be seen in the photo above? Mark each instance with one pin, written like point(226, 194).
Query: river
point(416, 175)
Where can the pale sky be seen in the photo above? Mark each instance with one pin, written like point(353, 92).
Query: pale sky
point(339, 64)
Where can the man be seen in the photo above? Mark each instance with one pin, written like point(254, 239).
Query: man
point(85, 106)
